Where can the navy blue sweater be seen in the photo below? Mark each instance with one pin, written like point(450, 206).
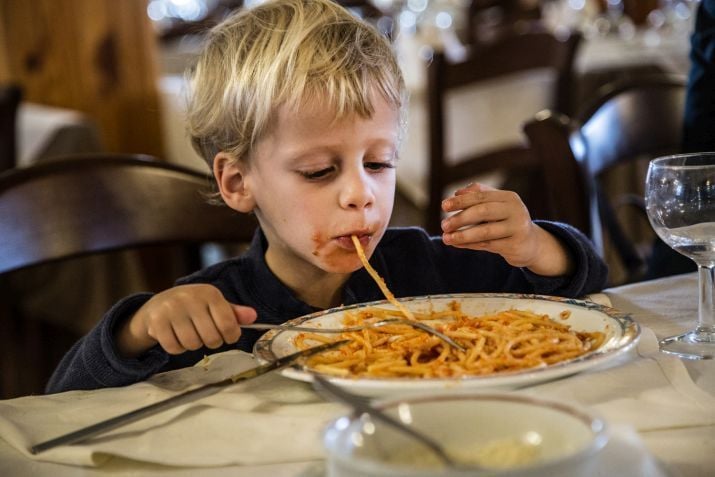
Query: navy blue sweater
point(412, 264)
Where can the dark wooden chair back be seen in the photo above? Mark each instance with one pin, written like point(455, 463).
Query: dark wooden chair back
point(61, 209)
point(10, 96)
point(636, 119)
point(514, 52)
point(85, 205)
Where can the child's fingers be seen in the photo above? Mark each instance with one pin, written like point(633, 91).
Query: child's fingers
point(163, 332)
point(460, 202)
point(208, 328)
point(485, 232)
point(222, 326)
point(473, 187)
point(244, 314)
point(189, 317)
point(186, 333)
point(475, 215)
point(212, 325)
point(228, 318)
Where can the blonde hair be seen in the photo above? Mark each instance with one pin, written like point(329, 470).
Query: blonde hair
point(280, 53)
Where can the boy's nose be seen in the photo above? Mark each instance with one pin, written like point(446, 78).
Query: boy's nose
point(356, 192)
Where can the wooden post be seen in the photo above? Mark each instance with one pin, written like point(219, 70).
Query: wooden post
point(96, 56)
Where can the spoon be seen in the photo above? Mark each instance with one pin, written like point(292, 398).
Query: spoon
point(362, 406)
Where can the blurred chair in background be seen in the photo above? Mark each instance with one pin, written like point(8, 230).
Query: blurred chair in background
point(10, 96)
point(513, 53)
point(76, 207)
point(633, 120)
point(486, 18)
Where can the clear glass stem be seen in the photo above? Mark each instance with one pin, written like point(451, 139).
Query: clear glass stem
point(706, 306)
point(700, 342)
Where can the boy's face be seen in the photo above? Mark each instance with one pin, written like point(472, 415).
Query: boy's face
point(314, 182)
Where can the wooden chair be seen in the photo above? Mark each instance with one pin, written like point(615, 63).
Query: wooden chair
point(10, 96)
point(84, 206)
point(514, 52)
point(631, 120)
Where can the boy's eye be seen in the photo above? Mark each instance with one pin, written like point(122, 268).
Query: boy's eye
point(318, 174)
point(378, 166)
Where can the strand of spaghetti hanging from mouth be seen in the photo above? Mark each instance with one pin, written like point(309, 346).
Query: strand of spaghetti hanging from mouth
point(379, 280)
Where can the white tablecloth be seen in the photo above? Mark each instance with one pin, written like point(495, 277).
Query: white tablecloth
point(662, 411)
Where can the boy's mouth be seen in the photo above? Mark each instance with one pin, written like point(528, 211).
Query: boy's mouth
point(346, 241)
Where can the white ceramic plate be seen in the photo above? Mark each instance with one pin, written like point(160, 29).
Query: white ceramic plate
point(621, 331)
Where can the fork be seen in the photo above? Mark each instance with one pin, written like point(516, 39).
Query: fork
point(362, 406)
point(377, 324)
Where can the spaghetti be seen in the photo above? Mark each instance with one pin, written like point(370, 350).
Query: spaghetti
point(500, 342)
point(379, 280)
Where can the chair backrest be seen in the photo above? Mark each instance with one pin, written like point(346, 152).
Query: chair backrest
point(10, 96)
point(523, 51)
point(58, 210)
point(79, 206)
point(631, 120)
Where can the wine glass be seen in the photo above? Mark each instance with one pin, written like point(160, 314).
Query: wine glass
point(680, 200)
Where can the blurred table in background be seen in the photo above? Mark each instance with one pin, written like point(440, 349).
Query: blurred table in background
point(177, 144)
point(608, 58)
point(47, 131)
point(495, 113)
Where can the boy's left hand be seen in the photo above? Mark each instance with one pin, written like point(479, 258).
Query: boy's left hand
point(497, 221)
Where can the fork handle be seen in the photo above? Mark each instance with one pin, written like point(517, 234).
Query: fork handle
point(270, 326)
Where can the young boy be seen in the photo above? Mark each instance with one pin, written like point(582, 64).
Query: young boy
point(298, 106)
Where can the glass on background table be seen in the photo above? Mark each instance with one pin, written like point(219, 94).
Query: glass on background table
point(680, 201)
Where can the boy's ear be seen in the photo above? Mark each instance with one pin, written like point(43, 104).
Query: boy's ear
point(231, 178)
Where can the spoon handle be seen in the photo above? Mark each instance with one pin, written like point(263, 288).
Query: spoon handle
point(363, 407)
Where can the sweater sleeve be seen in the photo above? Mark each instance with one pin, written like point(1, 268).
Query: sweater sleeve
point(414, 264)
point(590, 271)
point(94, 362)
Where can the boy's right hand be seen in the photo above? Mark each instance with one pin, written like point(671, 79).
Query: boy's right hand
point(182, 318)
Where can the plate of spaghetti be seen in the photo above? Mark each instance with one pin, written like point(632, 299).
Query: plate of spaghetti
point(507, 341)
point(510, 340)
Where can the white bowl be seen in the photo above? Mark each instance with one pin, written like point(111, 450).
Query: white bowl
point(507, 434)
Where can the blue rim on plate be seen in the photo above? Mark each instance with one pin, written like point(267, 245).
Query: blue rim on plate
point(622, 334)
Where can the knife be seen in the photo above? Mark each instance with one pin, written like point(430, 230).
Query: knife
point(185, 397)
